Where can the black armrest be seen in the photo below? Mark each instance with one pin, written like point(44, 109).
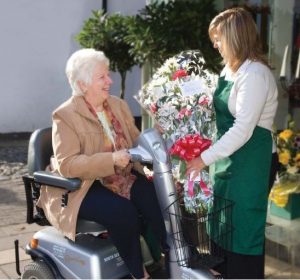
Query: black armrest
point(50, 179)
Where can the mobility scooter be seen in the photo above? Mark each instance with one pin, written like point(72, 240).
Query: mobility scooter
point(93, 255)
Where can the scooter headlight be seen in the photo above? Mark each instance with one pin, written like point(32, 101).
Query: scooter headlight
point(34, 243)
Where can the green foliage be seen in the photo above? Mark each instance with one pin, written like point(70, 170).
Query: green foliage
point(162, 30)
point(106, 33)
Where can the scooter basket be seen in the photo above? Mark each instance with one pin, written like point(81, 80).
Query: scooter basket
point(201, 238)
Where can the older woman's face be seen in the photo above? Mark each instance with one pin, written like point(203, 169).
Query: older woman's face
point(100, 86)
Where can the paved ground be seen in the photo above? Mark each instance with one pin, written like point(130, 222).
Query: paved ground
point(23, 232)
point(13, 154)
point(13, 157)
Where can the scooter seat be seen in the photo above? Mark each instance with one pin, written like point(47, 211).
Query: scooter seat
point(84, 226)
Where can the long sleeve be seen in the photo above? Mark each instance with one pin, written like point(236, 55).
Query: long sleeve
point(253, 101)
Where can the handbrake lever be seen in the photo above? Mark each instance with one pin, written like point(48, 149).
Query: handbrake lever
point(139, 154)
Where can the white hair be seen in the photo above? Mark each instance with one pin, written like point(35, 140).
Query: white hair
point(80, 67)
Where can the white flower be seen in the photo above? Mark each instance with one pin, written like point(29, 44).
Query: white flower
point(158, 92)
point(292, 169)
point(159, 81)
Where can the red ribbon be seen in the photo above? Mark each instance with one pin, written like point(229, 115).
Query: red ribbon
point(190, 187)
point(204, 187)
point(188, 148)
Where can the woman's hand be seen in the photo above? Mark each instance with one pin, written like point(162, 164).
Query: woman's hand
point(193, 167)
point(121, 158)
point(159, 128)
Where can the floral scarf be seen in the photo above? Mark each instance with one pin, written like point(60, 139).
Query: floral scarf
point(114, 140)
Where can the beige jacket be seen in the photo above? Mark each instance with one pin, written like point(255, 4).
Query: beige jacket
point(78, 139)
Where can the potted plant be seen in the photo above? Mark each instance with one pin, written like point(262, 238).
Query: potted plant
point(163, 29)
point(284, 196)
point(106, 33)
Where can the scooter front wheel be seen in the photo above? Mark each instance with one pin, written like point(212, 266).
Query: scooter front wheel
point(37, 270)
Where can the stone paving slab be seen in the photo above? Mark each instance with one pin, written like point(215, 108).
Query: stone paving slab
point(9, 270)
point(276, 269)
point(9, 217)
point(18, 229)
point(3, 275)
point(7, 242)
point(12, 191)
point(23, 232)
point(12, 202)
point(8, 255)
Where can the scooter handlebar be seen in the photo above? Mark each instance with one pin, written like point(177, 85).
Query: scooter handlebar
point(138, 154)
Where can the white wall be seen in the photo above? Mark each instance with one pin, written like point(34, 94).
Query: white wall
point(37, 37)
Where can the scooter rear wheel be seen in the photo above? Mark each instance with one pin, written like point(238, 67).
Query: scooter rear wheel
point(37, 270)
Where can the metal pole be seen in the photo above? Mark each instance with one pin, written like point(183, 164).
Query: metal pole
point(104, 6)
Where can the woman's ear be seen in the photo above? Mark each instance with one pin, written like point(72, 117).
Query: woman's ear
point(82, 86)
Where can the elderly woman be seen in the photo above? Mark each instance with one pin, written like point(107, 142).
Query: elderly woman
point(91, 134)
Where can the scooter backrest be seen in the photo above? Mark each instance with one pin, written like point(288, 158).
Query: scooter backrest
point(39, 150)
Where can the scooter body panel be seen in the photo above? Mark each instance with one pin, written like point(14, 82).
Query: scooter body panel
point(89, 257)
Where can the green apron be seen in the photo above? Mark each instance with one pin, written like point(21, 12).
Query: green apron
point(243, 178)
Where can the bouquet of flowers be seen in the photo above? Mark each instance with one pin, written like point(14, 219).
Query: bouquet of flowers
point(288, 147)
point(179, 98)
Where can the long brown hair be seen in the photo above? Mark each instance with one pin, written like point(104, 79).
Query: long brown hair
point(239, 37)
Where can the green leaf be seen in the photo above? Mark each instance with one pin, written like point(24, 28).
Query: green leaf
point(107, 33)
point(182, 169)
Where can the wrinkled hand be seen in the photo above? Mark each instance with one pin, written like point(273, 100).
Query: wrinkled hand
point(121, 158)
point(193, 167)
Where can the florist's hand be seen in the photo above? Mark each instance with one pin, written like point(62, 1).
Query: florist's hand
point(159, 128)
point(121, 158)
point(193, 167)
